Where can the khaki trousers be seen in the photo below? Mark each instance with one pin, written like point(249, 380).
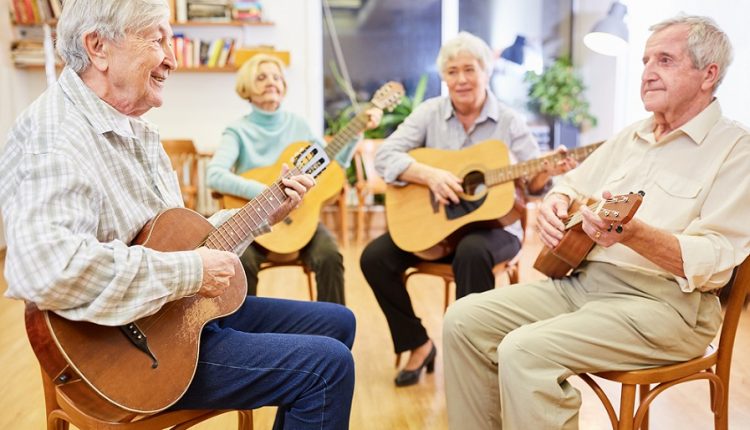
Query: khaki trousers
point(516, 346)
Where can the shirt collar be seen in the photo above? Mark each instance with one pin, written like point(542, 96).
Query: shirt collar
point(103, 117)
point(696, 129)
point(490, 109)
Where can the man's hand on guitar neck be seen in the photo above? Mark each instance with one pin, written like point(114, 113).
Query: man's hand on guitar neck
point(598, 229)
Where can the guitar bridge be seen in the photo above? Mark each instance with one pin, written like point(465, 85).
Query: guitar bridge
point(138, 339)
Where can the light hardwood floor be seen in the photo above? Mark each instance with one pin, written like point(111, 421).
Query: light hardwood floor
point(378, 404)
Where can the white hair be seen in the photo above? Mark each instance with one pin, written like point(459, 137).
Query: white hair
point(706, 42)
point(110, 19)
point(465, 42)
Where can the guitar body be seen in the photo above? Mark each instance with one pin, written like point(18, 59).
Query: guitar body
point(106, 359)
point(567, 255)
point(296, 231)
point(417, 223)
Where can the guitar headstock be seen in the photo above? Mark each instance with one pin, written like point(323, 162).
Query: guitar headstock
point(312, 160)
point(388, 96)
point(619, 210)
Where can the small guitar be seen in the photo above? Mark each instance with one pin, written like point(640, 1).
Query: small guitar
point(420, 225)
point(575, 244)
point(147, 365)
point(298, 228)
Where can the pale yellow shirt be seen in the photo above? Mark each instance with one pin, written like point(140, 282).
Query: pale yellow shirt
point(697, 186)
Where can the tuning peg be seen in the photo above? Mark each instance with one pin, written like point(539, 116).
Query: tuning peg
point(641, 193)
point(619, 229)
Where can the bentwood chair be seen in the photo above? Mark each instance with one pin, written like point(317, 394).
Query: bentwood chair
point(184, 158)
point(368, 184)
point(714, 366)
point(74, 403)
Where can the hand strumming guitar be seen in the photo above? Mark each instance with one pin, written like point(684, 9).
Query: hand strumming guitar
point(553, 210)
point(218, 269)
point(445, 186)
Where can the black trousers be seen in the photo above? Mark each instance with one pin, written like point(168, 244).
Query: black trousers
point(383, 264)
point(321, 255)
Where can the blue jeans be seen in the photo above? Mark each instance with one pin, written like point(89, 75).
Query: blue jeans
point(272, 352)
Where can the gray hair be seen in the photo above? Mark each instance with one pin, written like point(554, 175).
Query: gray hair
point(706, 42)
point(465, 43)
point(111, 19)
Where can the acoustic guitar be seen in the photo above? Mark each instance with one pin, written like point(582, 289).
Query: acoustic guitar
point(576, 244)
point(419, 224)
point(298, 228)
point(147, 365)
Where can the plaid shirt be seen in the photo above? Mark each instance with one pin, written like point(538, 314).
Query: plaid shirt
point(78, 180)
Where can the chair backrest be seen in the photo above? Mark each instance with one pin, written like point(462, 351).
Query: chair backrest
point(184, 158)
point(364, 165)
point(739, 287)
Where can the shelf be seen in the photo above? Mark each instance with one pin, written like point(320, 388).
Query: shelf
point(206, 69)
point(221, 23)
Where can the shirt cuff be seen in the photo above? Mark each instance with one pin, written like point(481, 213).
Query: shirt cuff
point(191, 275)
point(700, 264)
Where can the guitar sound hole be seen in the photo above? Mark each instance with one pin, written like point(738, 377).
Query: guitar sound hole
point(474, 185)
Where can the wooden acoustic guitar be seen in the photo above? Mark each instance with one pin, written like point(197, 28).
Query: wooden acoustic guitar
point(298, 228)
point(147, 365)
point(419, 224)
point(576, 244)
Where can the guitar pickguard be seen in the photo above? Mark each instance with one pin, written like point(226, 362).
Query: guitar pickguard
point(463, 207)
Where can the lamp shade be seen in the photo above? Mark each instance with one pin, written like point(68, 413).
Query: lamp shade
point(610, 35)
point(514, 52)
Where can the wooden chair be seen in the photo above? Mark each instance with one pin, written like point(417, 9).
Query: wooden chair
point(369, 183)
point(184, 158)
point(286, 260)
point(75, 403)
point(279, 260)
point(714, 366)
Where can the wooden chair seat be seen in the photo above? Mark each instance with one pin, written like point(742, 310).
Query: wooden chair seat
point(287, 260)
point(74, 403)
point(714, 366)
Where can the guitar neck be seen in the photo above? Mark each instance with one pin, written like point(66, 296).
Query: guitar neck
point(249, 218)
point(345, 135)
point(532, 167)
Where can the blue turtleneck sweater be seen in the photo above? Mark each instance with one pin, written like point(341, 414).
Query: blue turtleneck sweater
point(257, 140)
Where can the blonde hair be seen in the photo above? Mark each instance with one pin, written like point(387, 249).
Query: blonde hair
point(246, 75)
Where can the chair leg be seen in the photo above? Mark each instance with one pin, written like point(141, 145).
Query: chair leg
point(447, 295)
point(310, 285)
point(643, 391)
point(343, 218)
point(245, 420)
point(627, 404)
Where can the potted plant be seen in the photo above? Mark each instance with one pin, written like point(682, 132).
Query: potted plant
point(557, 93)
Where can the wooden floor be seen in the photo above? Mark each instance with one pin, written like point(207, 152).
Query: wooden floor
point(378, 404)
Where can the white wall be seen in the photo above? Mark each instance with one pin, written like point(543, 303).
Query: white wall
point(200, 105)
point(614, 84)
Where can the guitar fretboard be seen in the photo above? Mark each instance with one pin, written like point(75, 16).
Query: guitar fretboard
point(345, 135)
point(532, 167)
point(250, 217)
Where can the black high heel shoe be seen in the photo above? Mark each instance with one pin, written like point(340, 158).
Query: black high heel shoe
point(411, 377)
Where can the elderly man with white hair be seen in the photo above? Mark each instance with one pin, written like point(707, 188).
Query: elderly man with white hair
point(644, 295)
point(471, 114)
point(82, 173)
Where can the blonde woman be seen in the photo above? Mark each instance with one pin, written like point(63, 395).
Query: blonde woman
point(257, 140)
